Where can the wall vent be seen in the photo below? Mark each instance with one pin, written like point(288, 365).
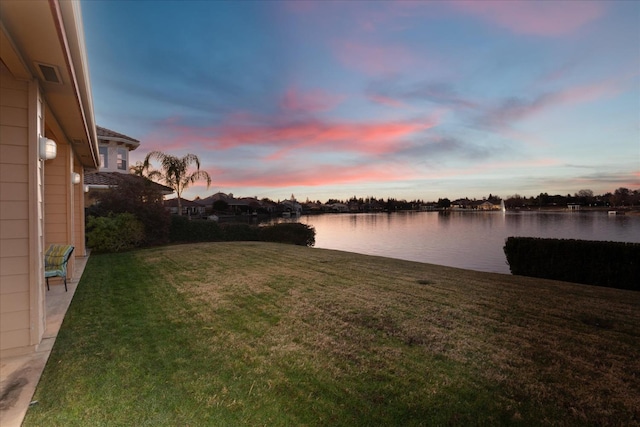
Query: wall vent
point(49, 73)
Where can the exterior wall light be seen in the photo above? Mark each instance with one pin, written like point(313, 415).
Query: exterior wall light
point(75, 178)
point(47, 149)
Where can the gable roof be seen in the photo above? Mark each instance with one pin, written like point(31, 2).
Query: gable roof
point(105, 134)
point(113, 179)
point(215, 197)
point(173, 203)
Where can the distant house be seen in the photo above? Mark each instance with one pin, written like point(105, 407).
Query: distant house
point(428, 208)
point(101, 181)
point(338, 207)
point(189, 207)
point(114, 148)
point(312, 207)
point(462, 204)
point(209, 202)
point(243, 205)
point(488, 206)
point(291, 206)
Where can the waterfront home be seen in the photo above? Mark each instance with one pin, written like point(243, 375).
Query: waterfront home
point(114, 148)
point(189, 207)
point(48, 143)
point(487, 206)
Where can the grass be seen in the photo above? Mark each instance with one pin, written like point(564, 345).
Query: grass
point(279, 335)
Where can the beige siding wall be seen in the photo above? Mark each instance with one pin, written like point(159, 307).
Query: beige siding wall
point(19, 272)
point(59, 198)
point(78, 203)
point(114, 149)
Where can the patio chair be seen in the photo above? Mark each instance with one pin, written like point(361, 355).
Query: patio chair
point(55, 262)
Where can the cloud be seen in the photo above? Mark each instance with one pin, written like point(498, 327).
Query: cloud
point(389, 91)
point(375, 59)
point(599, 182)
point(435, 149)
point(281, 137)
point(308, 175)
point(314, 101)
point(385, 100)
point(511, 110)
point(538, 18)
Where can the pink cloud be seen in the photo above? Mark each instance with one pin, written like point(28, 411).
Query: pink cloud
point(591, 92)
point(385, 100)
point(540, 18)
point(365, 138)
point(375, 59)
point(285, 137)
point(313, 101)
point(310, 176)
point(515, 109)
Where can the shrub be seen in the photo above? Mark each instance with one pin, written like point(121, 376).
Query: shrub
point(114, 233)
point(610, 264)
point(293, 232)
point(184, 230)
point(140, 197)
point(237, 232)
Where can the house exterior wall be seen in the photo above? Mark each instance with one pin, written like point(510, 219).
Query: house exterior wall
point(38, 202)
point(59, 198)
point(78, 206)
point(21, 216)
point(111, 151)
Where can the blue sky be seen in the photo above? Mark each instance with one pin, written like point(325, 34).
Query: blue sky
point(404, 99)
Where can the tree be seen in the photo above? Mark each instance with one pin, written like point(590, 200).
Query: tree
point(140, 197)
point(444, 203)
point(620, 197)
point(175, 172)
point(137, 169)
point(585, 197)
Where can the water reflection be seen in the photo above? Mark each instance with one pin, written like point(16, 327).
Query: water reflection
point(461, 239)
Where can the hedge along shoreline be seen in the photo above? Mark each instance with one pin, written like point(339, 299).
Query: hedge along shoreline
point(184, 230)
point(609, 264)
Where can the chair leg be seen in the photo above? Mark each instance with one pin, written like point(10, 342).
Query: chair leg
point(47, 279)
point(65, 283)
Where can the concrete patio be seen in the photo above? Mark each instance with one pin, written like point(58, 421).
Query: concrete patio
point(19, 375)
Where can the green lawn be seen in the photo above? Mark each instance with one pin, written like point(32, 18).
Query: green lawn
point(280, 335)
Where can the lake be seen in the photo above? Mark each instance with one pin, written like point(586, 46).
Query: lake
point(470, 240)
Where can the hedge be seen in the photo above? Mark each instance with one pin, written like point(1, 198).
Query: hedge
point(114, 233)
point(609, 264)
point(184, 230)
point(292, 232)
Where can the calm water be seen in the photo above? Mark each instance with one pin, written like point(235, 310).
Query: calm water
point(471, 240)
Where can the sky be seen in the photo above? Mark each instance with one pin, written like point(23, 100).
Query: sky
point(402, 99)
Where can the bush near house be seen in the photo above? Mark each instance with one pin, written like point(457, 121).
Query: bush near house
point(136, 195)
point(114, 233)
point(610, 264)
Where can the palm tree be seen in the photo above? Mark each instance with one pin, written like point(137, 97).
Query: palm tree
point(138, 169)
point(175, 172)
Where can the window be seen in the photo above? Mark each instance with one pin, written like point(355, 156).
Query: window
point(122, 159)
point(104, 157)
